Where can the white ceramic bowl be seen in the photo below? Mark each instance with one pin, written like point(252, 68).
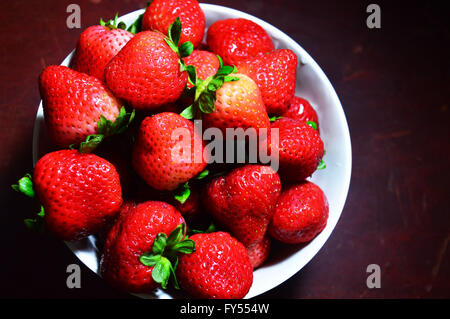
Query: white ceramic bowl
point(313, 85)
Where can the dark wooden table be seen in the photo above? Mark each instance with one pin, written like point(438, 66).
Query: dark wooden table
point(394, 85)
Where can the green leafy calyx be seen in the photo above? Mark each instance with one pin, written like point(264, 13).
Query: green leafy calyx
point(183, 193)
point(204, 91)
point(25, 186)
point(164, 255)
point(173, 41)
point(312, 124)
point(112, 24)
point(106, 128)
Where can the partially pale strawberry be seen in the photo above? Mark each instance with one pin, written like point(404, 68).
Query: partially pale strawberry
point(259, 251)
point(227, 100)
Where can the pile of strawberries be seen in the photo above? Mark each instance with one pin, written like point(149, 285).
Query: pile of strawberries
point(114, 172)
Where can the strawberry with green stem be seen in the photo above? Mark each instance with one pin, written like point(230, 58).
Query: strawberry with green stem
point(142, 248)
point(149, 71)
point(106, 128)
point(226, 100)
point(79, 193)
point(77, 105)
point(160, 13)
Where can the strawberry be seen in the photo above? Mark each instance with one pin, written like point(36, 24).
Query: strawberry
point(206, 64)
point(300, 149)
point(301, 109)
point(219, 268)
point(142, 245)
point(148, 72)
point(79, 193)
point(227, 100)
point(160, 154)
point(243, 201)
point(161, 13)
point(259, 251)
point(275, 73)
point(97, 45)
point(300, 214)
point(77, 105)
point(236, 40)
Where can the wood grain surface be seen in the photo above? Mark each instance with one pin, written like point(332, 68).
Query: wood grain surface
point(394, 84)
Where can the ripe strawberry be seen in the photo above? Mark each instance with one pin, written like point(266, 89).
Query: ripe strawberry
point(74, 103)
point(300, 214)
point(300, 149)
point(162, 156)
point(301, 109)
point(206, 64)
point(259, 251)
point(161, 13)
point(243, 201)
point(148, 73)
point(97, 45)
point(79, 192)
point(142, 245)
point(219, 268)
point(236, 40)
point(275, 73)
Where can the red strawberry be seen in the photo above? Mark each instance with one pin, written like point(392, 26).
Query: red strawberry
point(73, 104)
point(139, 248)
point(301, 109)
point(148, 73)
point(97, 45)
point(238, 104)
point(162, 159)
point(79, 192)
point(236, 40)
point(243, 201)
point(275, 73)
point(300, 149)
point(300, 214)
point(219, 268)
point(259, 251)
point(206, 64)
point(161, 13)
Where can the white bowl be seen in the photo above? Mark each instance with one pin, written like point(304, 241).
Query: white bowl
point(313, 85)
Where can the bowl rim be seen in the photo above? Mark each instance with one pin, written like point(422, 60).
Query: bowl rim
point(305, 58)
